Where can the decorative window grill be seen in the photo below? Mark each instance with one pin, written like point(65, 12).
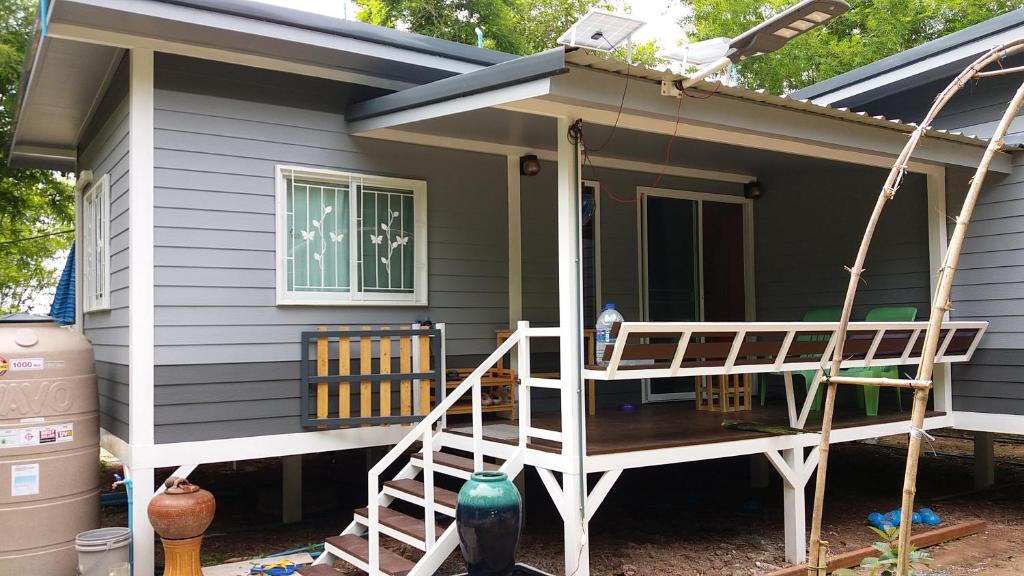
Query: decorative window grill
point(96, 246)
point(350, 238)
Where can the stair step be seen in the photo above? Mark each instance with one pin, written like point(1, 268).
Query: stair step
point(320, 570)
point(390, 563)
point(416, 488)
point(413, 527)
point(455, 462)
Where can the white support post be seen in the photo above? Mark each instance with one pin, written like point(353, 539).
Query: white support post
point(570, 288)
point(938, 241)
point(143, 538)
point(515, 249)
point(984, 460)
point(795, 505)
point(515, 243)
point(140, 296)
point(291, 489)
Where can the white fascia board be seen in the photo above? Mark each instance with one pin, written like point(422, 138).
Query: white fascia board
point(921, 67)
point(596, 96)
point(518, 92)
point(270, 446)
point(657, 457)
point(984, 422)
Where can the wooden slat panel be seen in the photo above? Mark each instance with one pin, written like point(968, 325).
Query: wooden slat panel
point(344, 369)
point(385, 368)
point(366, 367)
point(425, 367)
point(323, 360)
point(405, 365)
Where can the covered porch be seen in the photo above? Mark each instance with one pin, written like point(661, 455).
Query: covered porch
point(643, 198)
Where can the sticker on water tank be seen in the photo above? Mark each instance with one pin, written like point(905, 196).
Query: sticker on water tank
point(3, 366)
point(52, 434)
point(24, 479)
point(25, 364)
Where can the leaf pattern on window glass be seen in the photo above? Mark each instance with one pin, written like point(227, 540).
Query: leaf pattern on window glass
point(394, 238)
point(310, 235)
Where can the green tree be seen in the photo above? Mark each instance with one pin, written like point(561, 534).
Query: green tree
point(871, 30)
point(514, 26)
point(36, 206)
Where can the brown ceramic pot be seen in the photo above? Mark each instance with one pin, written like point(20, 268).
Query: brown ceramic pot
point(182, 511)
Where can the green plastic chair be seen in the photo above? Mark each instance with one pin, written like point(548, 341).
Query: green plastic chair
point(867, 396)
point(812, 315)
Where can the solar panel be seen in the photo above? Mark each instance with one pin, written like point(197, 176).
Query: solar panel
point(699, 53)
point(600, 30)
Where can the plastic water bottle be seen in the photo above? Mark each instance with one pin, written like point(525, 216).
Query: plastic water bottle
point(605, 321)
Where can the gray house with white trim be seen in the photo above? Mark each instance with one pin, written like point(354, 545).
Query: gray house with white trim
point(249, 175)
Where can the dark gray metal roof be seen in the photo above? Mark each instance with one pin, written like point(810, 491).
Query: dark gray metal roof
point(350, 29)
point(918, 53)
point(525, 69)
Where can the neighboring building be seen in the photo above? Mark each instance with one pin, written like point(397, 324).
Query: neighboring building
point(988, 394)
point(249, 173)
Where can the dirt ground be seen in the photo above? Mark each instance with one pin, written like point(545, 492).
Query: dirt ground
point(699, 519)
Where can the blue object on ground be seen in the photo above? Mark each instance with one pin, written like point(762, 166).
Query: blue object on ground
point(896, 517)
point(283, 568)
point(917, 517)
point(627, 408)
point(924, 511)
point(931, 519)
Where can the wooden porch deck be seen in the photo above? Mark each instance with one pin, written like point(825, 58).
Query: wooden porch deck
point(672, 425)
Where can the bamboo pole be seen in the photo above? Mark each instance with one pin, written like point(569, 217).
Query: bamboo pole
point(816, 563)
point(941, 305)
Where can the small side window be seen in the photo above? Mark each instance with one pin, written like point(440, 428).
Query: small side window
point(95, 249)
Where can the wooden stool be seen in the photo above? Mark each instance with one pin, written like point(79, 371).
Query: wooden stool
point(725, 393)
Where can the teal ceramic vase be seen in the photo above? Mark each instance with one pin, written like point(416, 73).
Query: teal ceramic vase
point(489, 519)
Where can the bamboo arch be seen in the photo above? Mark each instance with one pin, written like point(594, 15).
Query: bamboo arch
point(940, 305)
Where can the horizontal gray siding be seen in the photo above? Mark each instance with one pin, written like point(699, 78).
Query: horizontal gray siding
point(989, 283)
point(809, 224)
point(218, 141)
point(105, 151)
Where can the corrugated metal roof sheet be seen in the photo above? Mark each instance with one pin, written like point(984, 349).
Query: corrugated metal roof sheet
point(582, 58)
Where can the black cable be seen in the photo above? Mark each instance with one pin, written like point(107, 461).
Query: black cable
point(47, 235)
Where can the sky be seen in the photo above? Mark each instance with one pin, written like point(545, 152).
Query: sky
point(661, 15)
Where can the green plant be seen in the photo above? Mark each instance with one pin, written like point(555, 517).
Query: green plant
point(885, 565)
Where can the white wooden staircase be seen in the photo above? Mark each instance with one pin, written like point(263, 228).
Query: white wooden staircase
point(410, 509)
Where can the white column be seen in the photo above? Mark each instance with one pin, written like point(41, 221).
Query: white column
point(140, 296)
point(938, 241)
point(515, 244)
point(143, 538)
point(570, 288)
point(984, 460)
point(291, 489)
point(795, 506)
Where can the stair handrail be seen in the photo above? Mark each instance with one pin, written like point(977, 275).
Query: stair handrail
point(423, 430)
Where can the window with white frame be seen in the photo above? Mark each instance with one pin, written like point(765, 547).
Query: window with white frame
point(95, 249)
point(345, 238)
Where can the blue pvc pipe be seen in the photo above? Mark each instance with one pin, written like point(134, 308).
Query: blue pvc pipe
point(42, 16)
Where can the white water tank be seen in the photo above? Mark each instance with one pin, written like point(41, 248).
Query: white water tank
point(49, 445)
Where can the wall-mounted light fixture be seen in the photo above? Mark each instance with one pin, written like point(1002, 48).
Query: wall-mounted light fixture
point(752, 190)
point(529, 165)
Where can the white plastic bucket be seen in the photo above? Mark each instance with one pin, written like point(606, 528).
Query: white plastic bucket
point(103, 552)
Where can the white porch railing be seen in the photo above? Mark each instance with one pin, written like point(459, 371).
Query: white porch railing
point(716, 348)
point(426, 433)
